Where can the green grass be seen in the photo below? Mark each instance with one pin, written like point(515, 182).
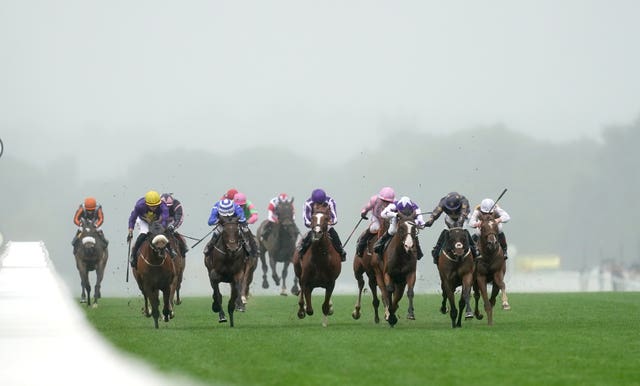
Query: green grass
point(546, 339)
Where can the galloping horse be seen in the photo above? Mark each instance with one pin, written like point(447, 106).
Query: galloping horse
point(91, 255)
point(179, 263)
point(155, 272)
point(400, 260)
point(281, 246)
point(225, 262)
point(455, 265)
point(490, 268)
point(319, 266)
point(370, 264)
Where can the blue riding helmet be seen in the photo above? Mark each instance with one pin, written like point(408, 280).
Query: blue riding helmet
point(318, 196)
point(452, 202)
point(226, 208)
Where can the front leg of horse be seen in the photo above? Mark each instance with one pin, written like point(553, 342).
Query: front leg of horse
point(285, 272)
point(356, 310)
point(327, 305)
point(376, 301)
point(476, 298)
point(410, 311)
point(167, 309)
point(233, 297)
point(154, 299)
point(274, 273)
point(301, 306)
point(499, 285)
point(265, 268)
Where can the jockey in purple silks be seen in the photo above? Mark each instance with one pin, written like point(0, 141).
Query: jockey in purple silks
point(147, 210)
point(319, 197)
point(376, 205)
point(407, 207)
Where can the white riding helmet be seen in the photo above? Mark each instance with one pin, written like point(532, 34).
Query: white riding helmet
point(487, 205)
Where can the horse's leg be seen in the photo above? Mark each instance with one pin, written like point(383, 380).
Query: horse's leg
point(236, 284)
point(411, 282)
point(448, 291)
point(498, 281)
point(274, 273)
point(180, 275)
point(327, 306)
point(285, 272)
point(358, 272)
point(476, 298)
point(265, 268)
point(307, 299)
point(301, 307)
point(376, 300)
point(467, 283)
point(390, 289)
point(443, 305)
point(167, 309)
point(295, 289)
point(154, 299)
point(84, 282)
point(488, 307)
point(97, 294)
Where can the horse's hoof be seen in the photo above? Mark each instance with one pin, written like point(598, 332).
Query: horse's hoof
point(468, 315)
point(393, 319)
point(479, 316)
point(265, 284)
point(284, 293)
point(215, 307)
point(222, 320)
point(355, 315)
point(506, 307)
point(411, 317)
point(83, 300)
point(301, 314)
point(443, 310)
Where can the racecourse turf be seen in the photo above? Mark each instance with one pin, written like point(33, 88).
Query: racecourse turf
point(545, 339)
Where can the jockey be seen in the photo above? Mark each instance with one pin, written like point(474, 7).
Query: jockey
point(488, 207)
point(228, 208)
point(147, 210)
point(176, 217)
point(407, 207)
point(456, 209)
point(319, 197)
point(90, 211)
point(272, 217)
point(376, 205)
point(250, 211)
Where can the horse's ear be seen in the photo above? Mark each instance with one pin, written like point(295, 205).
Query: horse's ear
point(292, 199)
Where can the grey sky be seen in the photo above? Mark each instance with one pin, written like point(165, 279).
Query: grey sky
point(246, 72)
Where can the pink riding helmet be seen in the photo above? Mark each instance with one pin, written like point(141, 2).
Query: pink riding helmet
point(387, 194)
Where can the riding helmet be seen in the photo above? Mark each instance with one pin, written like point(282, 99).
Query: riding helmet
point(387, 194)
point(318, 196)
point(453, 201)
point(90, 203)
point(152, 198)
point(226, 207)
point(240, 198)
point(167, 198)
point(486, 206)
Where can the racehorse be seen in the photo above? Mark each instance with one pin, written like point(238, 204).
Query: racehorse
point(247, 278)
point(179, 262)
point(400, 260)
point(281, 246)
point(155, 272)
point(456, 266)
point(490, 268)
point(91, 255)
point(225, 262)
point(319, 266)
point(371, 265)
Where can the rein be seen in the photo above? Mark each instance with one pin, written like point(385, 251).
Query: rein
point(456, 260)
point(151, 264)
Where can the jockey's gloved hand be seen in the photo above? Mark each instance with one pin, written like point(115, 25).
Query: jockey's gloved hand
point(129, 236)
point(428, 223)
point(363, 215)
point(171, 228)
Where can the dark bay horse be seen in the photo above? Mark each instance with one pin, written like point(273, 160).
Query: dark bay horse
point(490, 268)
point(225, 262)
point(400, 261)
point(456, 266)
point(155, 272)
point(319, 266)
point(280, 244)
point(370, 264)
point(92, 255)
point(179, 262)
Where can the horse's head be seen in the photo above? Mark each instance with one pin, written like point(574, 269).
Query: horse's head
point(285, 211)
point(320, 221)
point(407, 231)
point(489, 234)
point(231, 233)
point(157, 237)
point(457, 243)
point(88, 234)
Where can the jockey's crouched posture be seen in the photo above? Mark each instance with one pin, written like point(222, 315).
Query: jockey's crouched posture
point(92, 212)
point(228, 208)
point(319, 197)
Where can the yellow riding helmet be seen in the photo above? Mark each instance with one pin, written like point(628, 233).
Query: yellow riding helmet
point(152, 198)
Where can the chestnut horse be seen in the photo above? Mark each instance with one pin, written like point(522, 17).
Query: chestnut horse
point(400, 259)
point(225, 262)
point(155, 272)
point(456, 266)
point(91, 255)
point(281, 246)
point(490, 268)
point(370, 264)
point(319, 266)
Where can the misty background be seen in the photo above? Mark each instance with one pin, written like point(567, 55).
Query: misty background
point(112, 99)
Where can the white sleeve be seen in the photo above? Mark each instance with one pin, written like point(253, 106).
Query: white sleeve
point(504, 216)
point(473, 220)
point(388, 211)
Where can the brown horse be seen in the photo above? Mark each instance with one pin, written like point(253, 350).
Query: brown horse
point(179, 262)
point(490, 268)
point(280, 244)
point(155, 272)
point(247, 278)
point(319, 266)
point(370, 264)
point(225, 262)
point(456, 266)
point(400, 260)
point(92, 255)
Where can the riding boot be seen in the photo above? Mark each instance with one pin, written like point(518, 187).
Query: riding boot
point(304, 245)
point(419, 248)
point(381, 243)
point(214, 238)
point(435, 252)
point(101, 233)
point(503, 243)
point(134, 253)
point(182, 245)
point(250, 241)
point(362, 242)
point(473, 246)
point(266, 231)
point(337, 244)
